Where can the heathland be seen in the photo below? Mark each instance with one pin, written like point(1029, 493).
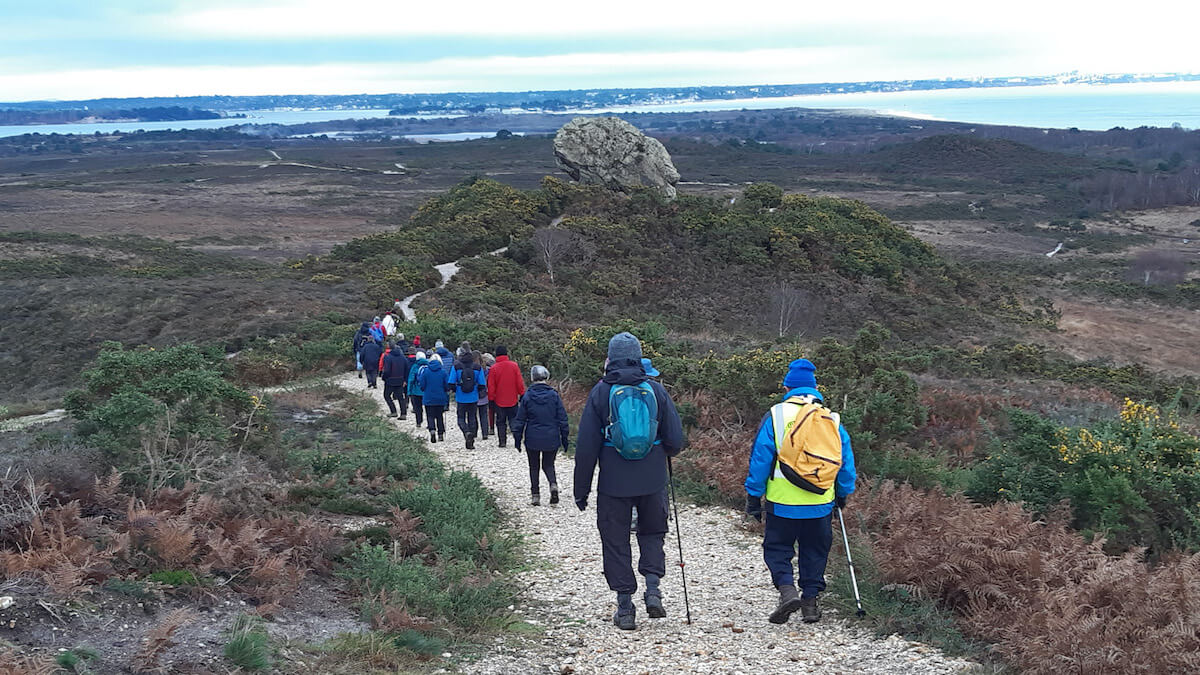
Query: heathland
point(1025, 423)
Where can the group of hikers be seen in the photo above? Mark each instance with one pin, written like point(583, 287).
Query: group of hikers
point(801, 462)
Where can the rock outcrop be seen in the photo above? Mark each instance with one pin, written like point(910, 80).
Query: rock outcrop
point(612, 152)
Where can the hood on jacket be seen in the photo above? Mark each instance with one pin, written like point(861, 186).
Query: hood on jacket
point(541, 392)
point(624, 371)
point(435, 365)
point(421, 362)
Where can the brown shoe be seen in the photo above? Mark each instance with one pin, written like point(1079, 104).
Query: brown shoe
point(809, 610)
point(789, 602)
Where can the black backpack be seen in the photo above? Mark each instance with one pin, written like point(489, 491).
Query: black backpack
point(466, 381)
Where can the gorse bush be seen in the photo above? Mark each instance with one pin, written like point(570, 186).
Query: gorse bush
point(1136, 478)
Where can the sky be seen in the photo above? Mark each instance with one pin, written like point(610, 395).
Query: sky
point(78, 49)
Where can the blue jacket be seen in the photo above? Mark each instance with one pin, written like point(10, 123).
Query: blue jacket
point(414, 387)
point(433, 384)
point(762, 463)
point(620, 477)
point(461, 396)
point(541, 420)
point(395, 368)
point(361, 337)
point(370, 354)
point(447, 356)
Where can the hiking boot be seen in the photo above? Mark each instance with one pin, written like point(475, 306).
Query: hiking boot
point(470, 441)
point(483, 436)
point(789, 602)
point(441, 437)
point(553, 494)
point(809, 610)
point(535, 499)
point(432, 437)
point(391, 415)
point(503, 444)
point(403, 416)
point(626, 615)
point(360, 374)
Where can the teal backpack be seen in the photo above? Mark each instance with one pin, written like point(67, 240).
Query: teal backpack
point(632, 419)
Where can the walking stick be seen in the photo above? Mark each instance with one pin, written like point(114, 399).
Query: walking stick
point(853, 579)
point(679, 539)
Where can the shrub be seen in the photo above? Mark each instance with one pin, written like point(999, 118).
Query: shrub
point(248, 647)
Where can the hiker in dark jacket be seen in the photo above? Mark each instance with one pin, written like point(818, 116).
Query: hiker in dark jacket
point(371, 353)
point(447, 357)
point(542, 424)
point(505, 388)
point(415, 393)
point(395, 381)
point(626, 483)
point(467, 372)
point(433, 389)
point(360, 339)
point(798, 523)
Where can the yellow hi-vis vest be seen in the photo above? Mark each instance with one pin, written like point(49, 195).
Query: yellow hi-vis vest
point(779, 489)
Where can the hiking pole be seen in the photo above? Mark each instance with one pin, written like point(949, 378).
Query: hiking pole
point(678, 539)
point(850, 563)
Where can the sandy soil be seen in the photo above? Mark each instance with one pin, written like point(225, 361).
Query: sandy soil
point(1162, 338)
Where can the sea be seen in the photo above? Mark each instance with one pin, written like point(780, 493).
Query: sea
point(1082, 106)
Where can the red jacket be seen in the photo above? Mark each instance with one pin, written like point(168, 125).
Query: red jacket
point(504, 383)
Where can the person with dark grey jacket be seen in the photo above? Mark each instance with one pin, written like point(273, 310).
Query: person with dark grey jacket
point(541, 422)
point(625, 483)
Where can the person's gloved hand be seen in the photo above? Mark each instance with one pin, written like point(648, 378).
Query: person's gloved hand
point(841, 501)
point(582, 504)
point(754, 507)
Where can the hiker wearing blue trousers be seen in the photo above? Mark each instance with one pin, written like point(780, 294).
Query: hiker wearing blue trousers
point(625, 483)
point(797, 523)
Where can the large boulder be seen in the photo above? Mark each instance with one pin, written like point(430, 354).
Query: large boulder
point(612, 152)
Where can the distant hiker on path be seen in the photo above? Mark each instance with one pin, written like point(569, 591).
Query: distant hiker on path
point(542, 423)
point(629, 427)
point(485, 362)
point(467, 379)
point(377, 330)
point(371, 352)
point(415, 393)
point(360, 339)
point(505, 388)
point(802, 463)
point(389, 324)
point(395, 381)
point(435, 396)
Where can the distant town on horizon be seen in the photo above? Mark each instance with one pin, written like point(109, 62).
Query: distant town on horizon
point(577, 99)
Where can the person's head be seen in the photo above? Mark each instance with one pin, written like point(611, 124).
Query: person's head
point(376, 319)
point(465, 347)
point(539, 374)
point(624, 346)
point(801, 374)
point(466, 360)
point(439, 345)
point(411, 352)
point(417, 340)
point(420, 355)
point(399, 336)
point(435, 357)
point(477, 357)
point(501, 350)
point(365, 325)
point(391, 344)
point(651, 371)
point(489, 360)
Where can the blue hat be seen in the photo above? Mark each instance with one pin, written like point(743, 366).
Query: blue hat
point(624, 346)
point(801, 374)
point(650, 370)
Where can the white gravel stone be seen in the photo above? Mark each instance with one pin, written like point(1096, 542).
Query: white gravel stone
point(728, 588)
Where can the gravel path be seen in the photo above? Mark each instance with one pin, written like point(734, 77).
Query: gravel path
point(569, 607)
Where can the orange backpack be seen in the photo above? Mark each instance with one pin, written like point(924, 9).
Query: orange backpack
point(810, 452)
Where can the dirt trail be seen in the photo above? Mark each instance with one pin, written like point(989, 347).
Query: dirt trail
point(447, 270)
point(568, 607)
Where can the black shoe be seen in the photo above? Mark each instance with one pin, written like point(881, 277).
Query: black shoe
point(403, 416)
point(360, 374)
point(432, 437)
point(626, 615)
point(553, 495)
point(535, 499)
point(654, 606)
point(809, 610)
point(503, 444)
point(441, 437)
point(470, 441)
point(789, 602)
point(393, 415)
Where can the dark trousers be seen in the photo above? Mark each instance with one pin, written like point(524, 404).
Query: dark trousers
point(468, 418)
point(484, 429)
point(504, 419)
point(434, 416)
point(614, 515)
point(371, 375)
point(806, 539)
point(492, 414)
point(544, 458)
point(416, 406)
point(393, 394)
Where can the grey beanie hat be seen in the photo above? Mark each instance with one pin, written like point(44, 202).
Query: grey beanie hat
point(624, 346)
point(539, 374)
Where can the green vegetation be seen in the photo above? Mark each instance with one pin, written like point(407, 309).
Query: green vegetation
point(248, 647)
